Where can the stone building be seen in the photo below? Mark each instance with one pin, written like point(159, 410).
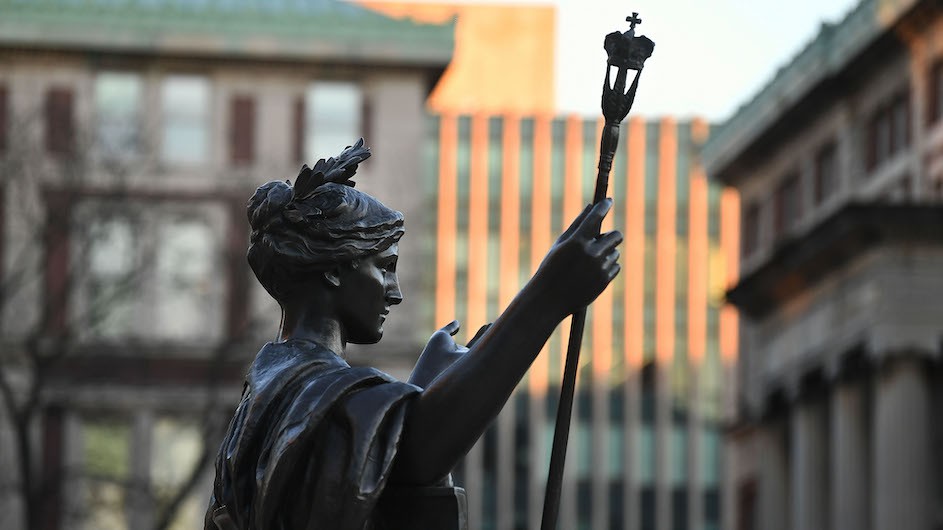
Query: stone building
point(131, 135)
point(183, 108)
point(839, 165)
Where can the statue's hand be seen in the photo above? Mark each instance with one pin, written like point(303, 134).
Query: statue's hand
point(581, 263)
point(440, 352)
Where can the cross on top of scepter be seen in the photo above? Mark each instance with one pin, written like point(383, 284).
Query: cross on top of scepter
point(633, 20)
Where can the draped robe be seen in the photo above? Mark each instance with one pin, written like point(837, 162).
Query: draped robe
point(311, 444)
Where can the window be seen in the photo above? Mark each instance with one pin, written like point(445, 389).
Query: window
point(332, 118)
point(4, 117)
point(149, 272)
point(184, 277)
point(826, 173)
point(108, 479)
point(786, 205)
point(242, 130)
point(60, 121)
point(106, 458)
point(118, 107)
point(110, 277)
point(175, 450)
point(185, 108)
point(935, 93)
point(888, 131)
point(751, 229)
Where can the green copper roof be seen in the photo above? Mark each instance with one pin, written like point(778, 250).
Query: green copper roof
point(825, 56)
point(328, 30)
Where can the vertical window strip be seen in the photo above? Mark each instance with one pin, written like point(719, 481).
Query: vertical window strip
point(298, 129)
point(730, 242)
point(504, 197)
point(538, 376)
point(557, 342)
point(665, 244)
point(447, 224)
point(697, 264)
point(634, 259)
point(4, 117)
point(478, 240)
point(696, 299)
point(510, 203)
point(495, 149)
point(463, 164)
point(476, 258)
point(541, 204)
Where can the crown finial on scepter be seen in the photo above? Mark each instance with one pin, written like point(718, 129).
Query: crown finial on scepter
point(633, 20)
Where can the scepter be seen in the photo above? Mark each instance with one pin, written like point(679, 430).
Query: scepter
point(626, 52)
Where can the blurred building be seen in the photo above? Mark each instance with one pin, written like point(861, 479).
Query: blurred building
point(645, 444)
point(131, 135)
point(504, 59)
point(839, 168)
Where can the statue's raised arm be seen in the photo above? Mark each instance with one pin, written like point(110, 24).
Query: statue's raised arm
point(316, 443)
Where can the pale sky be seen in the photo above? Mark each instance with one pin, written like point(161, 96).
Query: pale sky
point(710, 55)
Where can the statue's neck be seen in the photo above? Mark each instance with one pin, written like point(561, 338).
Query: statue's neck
point(309, 324)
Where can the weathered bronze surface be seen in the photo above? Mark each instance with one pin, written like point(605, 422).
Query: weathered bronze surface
point(316, 443)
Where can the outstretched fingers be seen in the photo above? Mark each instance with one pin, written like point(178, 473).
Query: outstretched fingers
point(451, 328)
point(605, 242)
point(592, 222)
point(613, 271)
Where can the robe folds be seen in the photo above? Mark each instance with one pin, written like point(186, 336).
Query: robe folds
point(311, 445)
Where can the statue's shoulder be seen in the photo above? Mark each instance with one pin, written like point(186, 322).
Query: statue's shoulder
point(279, 363)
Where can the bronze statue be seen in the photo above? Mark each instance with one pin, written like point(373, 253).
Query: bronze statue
point(318, 444)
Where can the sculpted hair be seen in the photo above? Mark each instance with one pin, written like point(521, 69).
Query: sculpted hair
point(320, 223)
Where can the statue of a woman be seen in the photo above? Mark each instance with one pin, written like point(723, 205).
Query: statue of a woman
point(316, 443)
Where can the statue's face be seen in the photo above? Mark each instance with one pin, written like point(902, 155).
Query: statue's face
point(367, 291)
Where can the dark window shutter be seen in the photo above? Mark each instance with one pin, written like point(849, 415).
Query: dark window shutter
point(935, 92)
point(242, 130)
point(4, 118)
point(60, 121)
point(366, 119)
point(871, 147)
point(751, 230)
point(299, 129)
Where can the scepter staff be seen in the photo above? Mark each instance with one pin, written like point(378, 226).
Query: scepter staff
point(626, 52)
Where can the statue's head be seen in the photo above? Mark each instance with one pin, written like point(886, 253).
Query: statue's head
point(323, 230)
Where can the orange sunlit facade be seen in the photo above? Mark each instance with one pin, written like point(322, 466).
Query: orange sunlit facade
point(657, 343)
point(503, 60)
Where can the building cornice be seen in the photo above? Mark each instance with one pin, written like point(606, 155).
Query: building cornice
point(329, 32)
point(822, 62)
point(799, 263)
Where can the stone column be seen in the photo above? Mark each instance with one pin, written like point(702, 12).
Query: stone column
point(774, 477)
point(809, 463)
point(849, 460)
point(901, 452)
